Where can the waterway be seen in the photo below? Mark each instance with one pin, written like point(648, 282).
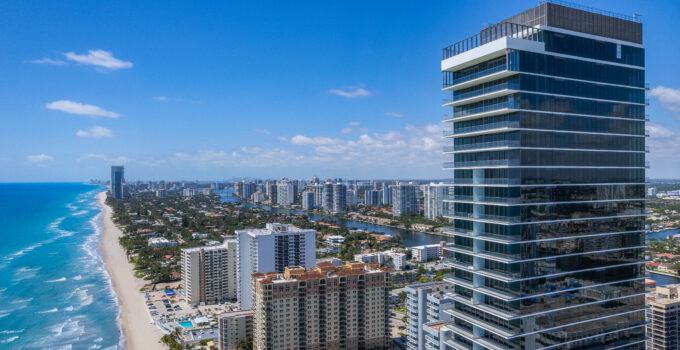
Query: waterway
point(408, 238)
point(662, 280)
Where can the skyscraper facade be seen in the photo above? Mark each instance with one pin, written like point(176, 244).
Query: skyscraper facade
point(308, 200)
point(285, 192)
point(548, 145)
point(372, 197)
point(117, 181)
point(272, 248)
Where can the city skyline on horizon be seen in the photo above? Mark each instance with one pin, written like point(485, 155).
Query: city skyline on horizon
point(204, 99)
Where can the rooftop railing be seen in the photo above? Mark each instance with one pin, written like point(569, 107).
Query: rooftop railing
point(492, 33)
point(635, 18)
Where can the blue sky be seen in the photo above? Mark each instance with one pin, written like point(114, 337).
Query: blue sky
point(213, 90)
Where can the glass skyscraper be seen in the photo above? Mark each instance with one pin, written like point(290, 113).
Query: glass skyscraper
point(547, 147)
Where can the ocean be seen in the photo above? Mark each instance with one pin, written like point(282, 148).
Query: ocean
point(54, 290)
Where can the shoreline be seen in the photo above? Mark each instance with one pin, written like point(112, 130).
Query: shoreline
point(136, 325)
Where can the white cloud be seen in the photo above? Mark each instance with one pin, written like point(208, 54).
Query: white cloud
point(669, 98)
point(100, 59)
point(351, 93)
point(394, 114)
point(79, 108)
point(262, 131)
point(354, 123)
point(345, 130)
point(39, 158)
point(95, 132)
point(160, 98)
point(304, 140)
point(281, 138)
point(658, 130)
point(49, 61)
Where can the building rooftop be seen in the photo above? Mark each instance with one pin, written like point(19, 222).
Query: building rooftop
point(211, 247)
point(664, 295)
point(323, 270)
point(236, 313)
point(274, 228)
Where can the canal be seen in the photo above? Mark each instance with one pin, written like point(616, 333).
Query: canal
point(662, 280)
point(408, 238)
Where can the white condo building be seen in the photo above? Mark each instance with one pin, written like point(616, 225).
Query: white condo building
point(209, 273)
point(285, 192)
point(272, 248)
point(434, 195)
point(426, 304)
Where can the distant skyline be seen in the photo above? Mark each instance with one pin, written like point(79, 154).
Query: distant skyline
point(210, 91)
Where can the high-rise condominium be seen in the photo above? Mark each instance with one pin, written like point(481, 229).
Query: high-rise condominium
point(339, 198)
point(117, 181)
point(209, 273)
point(327, 196)
point(308, 200)
point(405, 199)
point(548, 145)
point(372, 197)
point(272, 248)
point(433, 200)
point(285, 192)
point(329, 307)
point(386, 194)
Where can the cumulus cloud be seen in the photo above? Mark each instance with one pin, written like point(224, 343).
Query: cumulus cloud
point(160, 98)
point(39, 158)
point(95, 132)
point(345, 130)
point(80, 108)
point(393, 114)
point(354, 123)
point(351, 93)
point(48, 61)
point(100, 59)
point(669, 98)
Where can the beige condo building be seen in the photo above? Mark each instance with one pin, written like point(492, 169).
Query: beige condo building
point(327, 307)
point(662, 317)
point(209, 274)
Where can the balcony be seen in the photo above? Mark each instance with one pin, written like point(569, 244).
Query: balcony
point(483, 111)
point(482, 145)
point(487, 181)
point(484, 199)
point(484, 127)
point(492, 33)
point(481, 94)
point(451, 82)
point(482, 163)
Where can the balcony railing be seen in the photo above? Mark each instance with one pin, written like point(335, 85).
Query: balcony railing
point(450, 80)
point(486, 108)
point(487, 199)
point(502, 181)
point(495, 162)
point(493, 144)
point(492, 33)
point(489, 126)
point(514, 85)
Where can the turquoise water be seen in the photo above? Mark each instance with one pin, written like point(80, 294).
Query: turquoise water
point(54, 290)
point(186, 324)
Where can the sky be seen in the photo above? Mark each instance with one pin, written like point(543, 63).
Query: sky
point(213, 90)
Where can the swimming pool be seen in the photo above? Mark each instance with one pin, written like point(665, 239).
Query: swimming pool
point(186, 324)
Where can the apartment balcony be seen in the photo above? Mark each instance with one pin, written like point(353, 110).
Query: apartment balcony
point(477, 321)
point(482, 111)
point(452, 83)
point(482, 145)
point(486, 181)
point(483, 199)
point(482, 163)
point(488, 217)
point(482, 94)
point(483, 129)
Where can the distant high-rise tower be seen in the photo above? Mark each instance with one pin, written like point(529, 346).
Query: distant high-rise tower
point(405, 199)
point(327, 196)
point(117, 181)
point(339, 198)
point(547, 142)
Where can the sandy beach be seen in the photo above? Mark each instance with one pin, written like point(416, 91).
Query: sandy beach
point(139, 331)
